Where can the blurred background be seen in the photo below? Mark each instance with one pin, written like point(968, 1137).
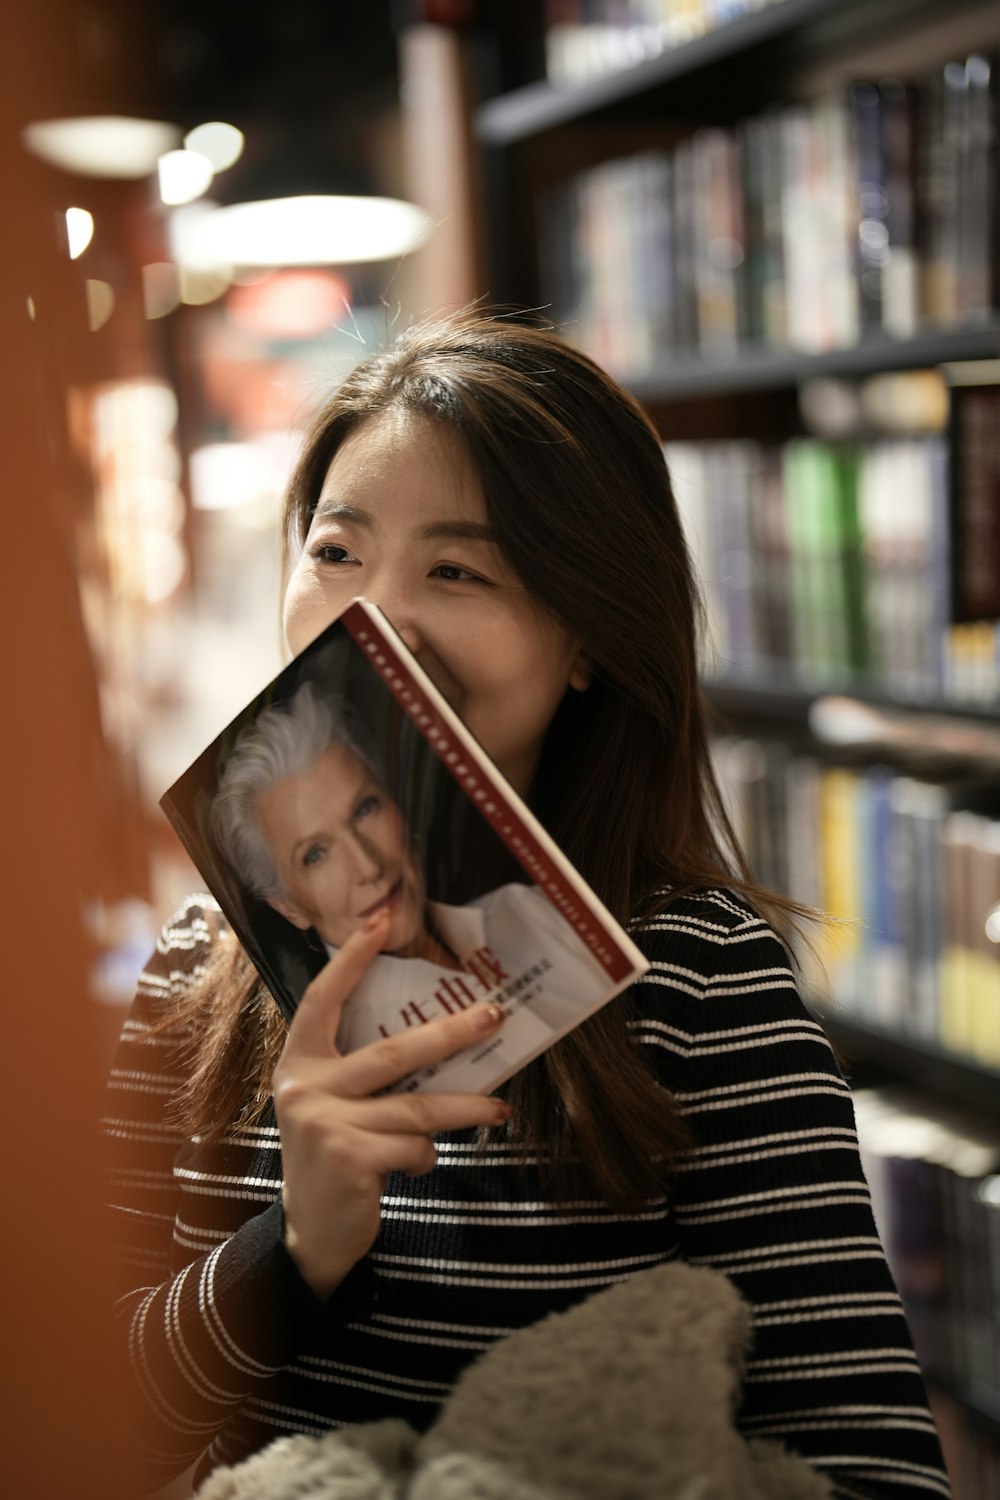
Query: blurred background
point(779, 225)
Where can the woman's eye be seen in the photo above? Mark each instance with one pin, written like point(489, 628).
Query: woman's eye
point(313, 855)
point(332, 552)
point(367, 806)
point(452, 573)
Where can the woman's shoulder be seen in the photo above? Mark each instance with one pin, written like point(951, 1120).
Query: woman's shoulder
point(158, 1026)
point(195, 925)
point(719, 924)
point(721, 981)
point(184, 946)
point(711, 945)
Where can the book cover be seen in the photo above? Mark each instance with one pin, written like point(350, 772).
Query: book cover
point(840, 856)
point(653, 216)
point(956, 992)
point(900, 290)
point(349, 784)
point(759, 141)
point(720, 240)
point(802, 247)
point(836, 221)
point(684, 214)
point(689, 480)
point(918, 808)
point(983, 961)
point(975, 514)
point(727, 470)
point(769, 561)
point(977, 241)
point(936, 165)
point(824, 558)
point(883, 953)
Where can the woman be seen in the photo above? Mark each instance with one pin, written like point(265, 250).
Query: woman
point(508, 506)
point(303, 819)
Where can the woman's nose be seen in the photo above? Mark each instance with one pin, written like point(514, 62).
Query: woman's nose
point(367, 859)
point(402, 612)
point(411, 636)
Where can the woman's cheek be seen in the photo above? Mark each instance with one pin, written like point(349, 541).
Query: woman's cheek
point(307, 610)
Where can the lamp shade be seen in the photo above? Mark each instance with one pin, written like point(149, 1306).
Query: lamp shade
point(302, 204)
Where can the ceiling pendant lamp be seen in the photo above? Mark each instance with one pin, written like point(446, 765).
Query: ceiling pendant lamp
point(299, 205)
point(109, 146)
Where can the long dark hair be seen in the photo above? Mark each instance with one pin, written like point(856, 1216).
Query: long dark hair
point(577, 491)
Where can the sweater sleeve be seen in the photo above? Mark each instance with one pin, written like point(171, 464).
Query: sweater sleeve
point(773, 1194)
point(204, 1331)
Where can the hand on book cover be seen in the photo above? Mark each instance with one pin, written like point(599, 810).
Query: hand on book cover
point(340, 1138)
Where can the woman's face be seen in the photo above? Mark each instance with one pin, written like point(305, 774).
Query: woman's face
point(401, 519)
point(339, 847)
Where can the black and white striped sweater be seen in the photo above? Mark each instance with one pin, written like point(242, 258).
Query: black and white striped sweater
point(230, 1348)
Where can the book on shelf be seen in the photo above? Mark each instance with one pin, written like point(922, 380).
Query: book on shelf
point(872, 212)
point(768, 560)
point(975, 513)
point(719, 242)
point(872, 209)
point(759, 144)
point(970, 960)
point(586, 39)
point(349, 785)
point(900, 271)
point(936, 1197)
point(833, 561)
point(908, 865)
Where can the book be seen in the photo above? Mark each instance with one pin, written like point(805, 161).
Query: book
point(349, 784)
point(840, 865)
point(983, 959)
point(872, 202)
point(900, 289)
point(934, 1187)
point(759, 142)
point(768, 540)
point(975, 517)
point(977, 230)
point(720, 241)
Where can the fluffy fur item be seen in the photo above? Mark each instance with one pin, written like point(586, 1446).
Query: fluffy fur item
point(628, 1396)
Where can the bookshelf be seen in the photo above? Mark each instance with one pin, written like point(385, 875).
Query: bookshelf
point(544, 149)
point(765, 43)
point(878, 1053)
point(775, 697)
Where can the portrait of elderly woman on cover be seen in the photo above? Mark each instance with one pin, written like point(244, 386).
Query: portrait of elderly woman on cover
point(303, 817)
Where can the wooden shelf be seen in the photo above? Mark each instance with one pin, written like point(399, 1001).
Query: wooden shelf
point(922, 1064)
point(674, 80)
point(778, 696)
point(684, 376)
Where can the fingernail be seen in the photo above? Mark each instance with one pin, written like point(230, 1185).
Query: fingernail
point(503, 1111)
point(376, 919)
point(489, 1016)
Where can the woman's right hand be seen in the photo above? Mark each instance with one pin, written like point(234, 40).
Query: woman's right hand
point(338, 1143)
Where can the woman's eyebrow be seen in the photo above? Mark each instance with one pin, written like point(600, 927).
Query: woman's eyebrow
point(339, 510)
point(457, 531)
point(434, 531)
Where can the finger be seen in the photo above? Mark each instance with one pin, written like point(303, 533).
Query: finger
point(416, 1155)
point(385, 1062)
point(314, 1026)
point(426, 1114)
